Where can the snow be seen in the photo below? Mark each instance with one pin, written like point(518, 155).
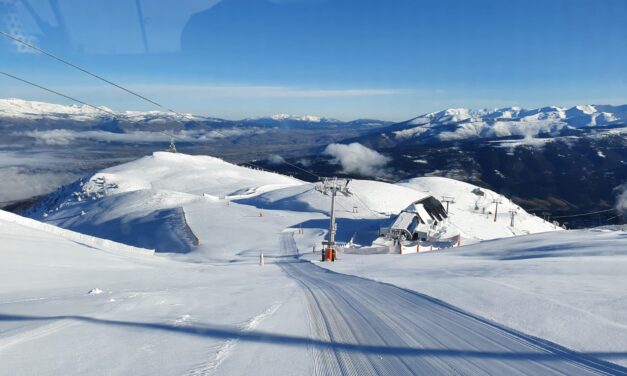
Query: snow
point(19, 108)
point(141, 202)
point(148, 314)
point(206, 306)
point(189, 174)
point(296, 118)
point(473, 215)
point(461, 124)
point(151, 202)
point(560, 286)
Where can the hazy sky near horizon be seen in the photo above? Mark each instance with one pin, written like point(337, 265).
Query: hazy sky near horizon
point(386, 59)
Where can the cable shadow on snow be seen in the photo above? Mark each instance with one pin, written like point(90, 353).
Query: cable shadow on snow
point(226, 332)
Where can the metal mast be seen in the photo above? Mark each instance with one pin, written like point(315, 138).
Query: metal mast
point(496, 201)
point(513, 213)
point(331, 187)
point(448, 200)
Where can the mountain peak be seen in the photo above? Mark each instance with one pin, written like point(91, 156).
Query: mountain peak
point(295, 118)
point(463, 123)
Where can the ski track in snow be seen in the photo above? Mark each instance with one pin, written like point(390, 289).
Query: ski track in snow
point(362, 327)
point(39, 331)
point(227, 348)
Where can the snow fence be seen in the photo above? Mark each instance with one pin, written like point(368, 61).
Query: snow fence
point(91, 241)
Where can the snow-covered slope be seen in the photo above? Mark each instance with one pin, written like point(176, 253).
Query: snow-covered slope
point(187, 313)
point(463, 124)
point(472, 214)
point(565, 286)
point(374, 198)
point(141, 202)
point(145, 202)
point(196, 175)
point(75, 308)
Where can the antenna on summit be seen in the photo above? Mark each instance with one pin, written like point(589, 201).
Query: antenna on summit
point(172, 147)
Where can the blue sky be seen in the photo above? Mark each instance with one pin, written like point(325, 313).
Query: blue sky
point(387, 59)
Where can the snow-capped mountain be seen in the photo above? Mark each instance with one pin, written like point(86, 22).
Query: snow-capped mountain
point(33, 110)
point(461, 124)
point(19, 109)
point(312, 121)
point(307, 118)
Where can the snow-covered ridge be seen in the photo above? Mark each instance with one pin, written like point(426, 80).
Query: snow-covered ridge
point(296, 118)
point(33, 110)
point(18, 108)
point(171, 178)
point(463, 123)
point(148, 195)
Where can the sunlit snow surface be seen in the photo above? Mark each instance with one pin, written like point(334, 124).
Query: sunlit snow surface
point(190, 312)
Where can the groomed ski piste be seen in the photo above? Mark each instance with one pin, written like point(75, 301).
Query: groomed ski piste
point(527, 299)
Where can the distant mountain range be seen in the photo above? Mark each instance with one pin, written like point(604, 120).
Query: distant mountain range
point(18, 109)
point(460, 124)
point(558, 160)
point(456, 124)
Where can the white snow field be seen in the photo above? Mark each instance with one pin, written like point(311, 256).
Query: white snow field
point(68, 308)
point(203, 305)
point(567, 287)
point(144, 202)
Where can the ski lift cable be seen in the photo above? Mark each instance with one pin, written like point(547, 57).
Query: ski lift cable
point(58, 93)
point(99, 77)
point(366, 205)
point(115, 115)
point(66, 62)
point(302, 169)
point(263, 169)
point(584, 214)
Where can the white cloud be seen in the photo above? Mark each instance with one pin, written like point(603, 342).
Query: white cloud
point(358, 159)
point(304, 162)
point(52, 137)
point(621, 199)
point(18, 183)
point(276, 159)
point(65, 137)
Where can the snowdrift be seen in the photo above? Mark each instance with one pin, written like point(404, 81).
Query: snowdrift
point(87, 240)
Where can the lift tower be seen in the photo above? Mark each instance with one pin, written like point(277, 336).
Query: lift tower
point(331, 187)
point(448, 200)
